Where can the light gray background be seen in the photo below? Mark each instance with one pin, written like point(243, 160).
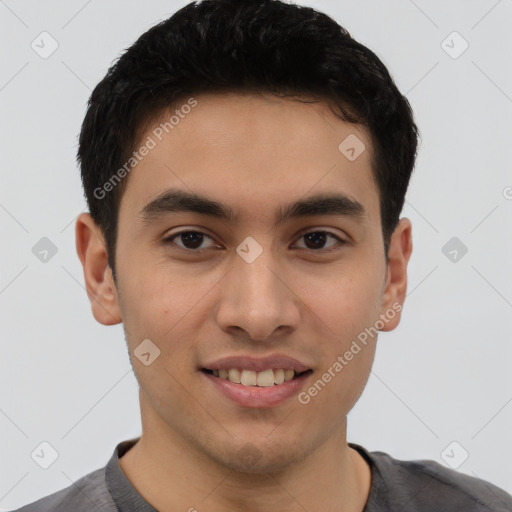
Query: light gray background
point(444, 375)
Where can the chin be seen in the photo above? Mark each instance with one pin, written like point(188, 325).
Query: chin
point(265, 465)
point(263, 459)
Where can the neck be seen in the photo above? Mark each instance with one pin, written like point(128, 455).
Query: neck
point(171, 474)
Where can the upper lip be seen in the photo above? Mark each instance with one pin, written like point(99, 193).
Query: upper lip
point(257, 364)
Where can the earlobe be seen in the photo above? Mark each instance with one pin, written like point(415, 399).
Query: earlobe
point(400, 249)
point(99, 282)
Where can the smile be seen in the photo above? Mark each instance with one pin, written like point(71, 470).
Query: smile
point(256, 383)
point(249, 378)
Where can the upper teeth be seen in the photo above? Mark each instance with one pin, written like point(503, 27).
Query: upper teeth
point(266, 378)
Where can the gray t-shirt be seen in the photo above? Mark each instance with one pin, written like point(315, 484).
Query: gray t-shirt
point(397, 485)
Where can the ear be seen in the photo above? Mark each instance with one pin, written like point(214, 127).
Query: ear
point(99, 282)
point(400, 249)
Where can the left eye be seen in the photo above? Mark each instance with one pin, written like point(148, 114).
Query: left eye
point(193, 240)
point(316, 239)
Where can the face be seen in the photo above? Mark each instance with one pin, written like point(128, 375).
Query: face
point(249, 287)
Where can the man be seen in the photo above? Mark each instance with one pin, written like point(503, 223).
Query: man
point(245, 164)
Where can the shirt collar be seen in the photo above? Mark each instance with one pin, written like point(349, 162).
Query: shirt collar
point(125, 496)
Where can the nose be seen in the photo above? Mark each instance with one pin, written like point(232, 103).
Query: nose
point(258, 299)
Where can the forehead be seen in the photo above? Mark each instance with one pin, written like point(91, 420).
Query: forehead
point(251, 151)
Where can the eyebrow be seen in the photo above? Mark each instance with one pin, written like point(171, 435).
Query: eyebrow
point(176, 200)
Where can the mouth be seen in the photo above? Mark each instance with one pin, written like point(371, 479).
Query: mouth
point(268, 378)
point(256, 383)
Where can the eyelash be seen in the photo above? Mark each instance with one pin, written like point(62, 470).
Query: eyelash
point(341, 242)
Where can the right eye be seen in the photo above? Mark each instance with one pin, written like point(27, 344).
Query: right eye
point(190, 241)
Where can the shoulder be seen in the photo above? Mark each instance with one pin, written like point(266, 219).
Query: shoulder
point(428, 486)
point(88, 493)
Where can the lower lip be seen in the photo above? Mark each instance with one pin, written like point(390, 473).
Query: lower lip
point(254, 396)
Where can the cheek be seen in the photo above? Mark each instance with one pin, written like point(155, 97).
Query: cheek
point(344, 305)
point(159, 304)
point(157, 298)
point(343, 301)
point(339, 394)
point(338, 383)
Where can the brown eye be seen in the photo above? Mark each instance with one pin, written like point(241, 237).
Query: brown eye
point(316, 240)
point(190, 240)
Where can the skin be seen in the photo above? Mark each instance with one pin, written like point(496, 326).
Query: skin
point(292, 299)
